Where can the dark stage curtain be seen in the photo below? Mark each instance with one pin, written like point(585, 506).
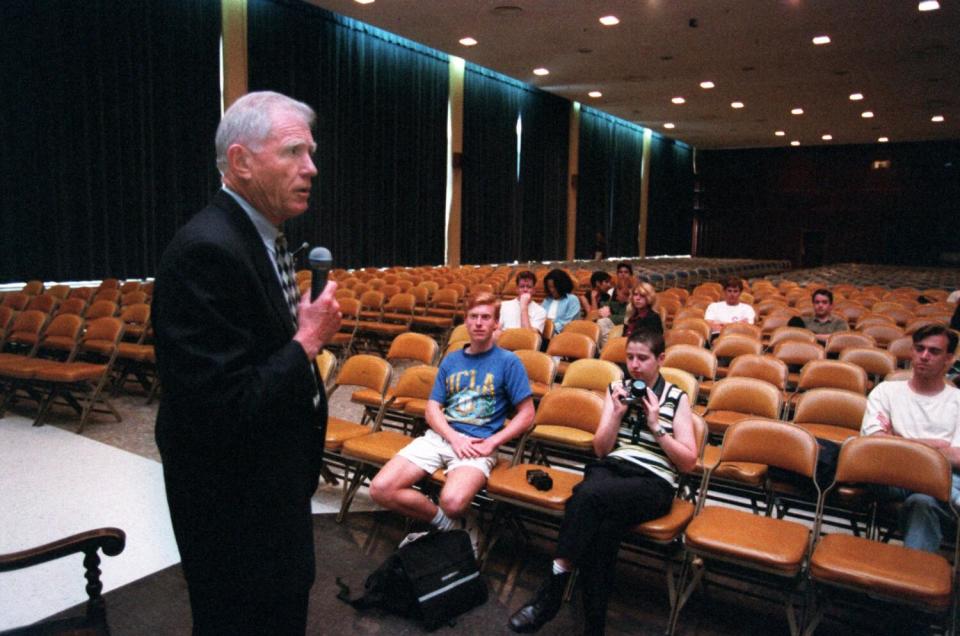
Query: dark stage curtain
point(514, 208)
point(381, 105)
point(670, 211)
point(608, 190)
point(107, 116)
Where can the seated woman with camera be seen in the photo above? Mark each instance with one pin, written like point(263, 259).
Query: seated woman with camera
point(644, 438)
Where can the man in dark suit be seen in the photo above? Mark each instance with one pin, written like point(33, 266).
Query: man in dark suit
point(241, 422)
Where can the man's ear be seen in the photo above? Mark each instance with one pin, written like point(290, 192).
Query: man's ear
point(238, 161)
point(661, 358)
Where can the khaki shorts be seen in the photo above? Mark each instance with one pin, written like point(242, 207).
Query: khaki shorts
point(431, 452)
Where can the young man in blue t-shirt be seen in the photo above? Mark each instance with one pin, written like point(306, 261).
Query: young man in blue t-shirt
point(466, 412)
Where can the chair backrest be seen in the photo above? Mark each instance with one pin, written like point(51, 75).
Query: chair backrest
point(327, 365)
point(63, 333)
point(569, 407)
point(732, 345)
point(101, 309)
point(772, 443)
point(902, 348)
point(593, 375)
point(683, 336)
point(416, 382)
point(371, 300)
point(134, 297)
point(615, 350)
point(798, 353)
point(574, 346)
point(447, 298)
point(26, 327)
point(112, 294)
point(401, 302)
point(746, 395)
point(586, 327)
point(72, 306)
point(835, 407)
point(760, 367)
point(696, 360)
point(841, 340)
point(33, 288)
point(894, 461)
point(520, 338)
point(547, 329)
point(789, 334)
point(741, 328)
point(699, 325)
point(876, 362)
point(683, 379)
point(414, 346)
point(883, 334)
point(42, 302)
point(16, 301)
point(367, 371)
point(773, 322)
point(540, 367)
point(459, 334)
point(102, 336)
point(833, 374)
point(6, 317)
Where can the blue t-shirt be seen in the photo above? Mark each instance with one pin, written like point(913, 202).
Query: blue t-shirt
point(475, 391)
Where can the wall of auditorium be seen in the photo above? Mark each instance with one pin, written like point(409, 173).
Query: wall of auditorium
point(822, 205)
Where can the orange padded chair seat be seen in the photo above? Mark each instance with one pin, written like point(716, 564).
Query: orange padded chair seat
point(512, 484)
point(745, 472)
point(136, 352)
point(668, 527)
point(564, 435)
point(70, 371)
point(415, 407)
point(539, 389)
point(370, 397)
point(720, 421)
point(20, 367)
point(339, 431)
point(772, 544)
point(891, 570)
point(375, 448)
point(837, 434)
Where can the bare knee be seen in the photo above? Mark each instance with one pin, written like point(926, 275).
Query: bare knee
point(382, 489)
point(455, 503)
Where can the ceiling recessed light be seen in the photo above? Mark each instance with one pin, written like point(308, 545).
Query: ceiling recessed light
point(669, 126)
point(867, 114)
point(678, 100)
point(541, 71)
point(595, 94)
point(796, 111)
point(780, 133)
point(609, 20)
point(883, 140)
point(736, 104)
point(856, 97)
point(468, 41)
point(708, 84)
point(827, 137)
point(363, 1)
point(820, 40)
point(794, 143)
point(937, 118)
point(928, 5)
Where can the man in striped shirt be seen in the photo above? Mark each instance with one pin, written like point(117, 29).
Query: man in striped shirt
point(642, 445)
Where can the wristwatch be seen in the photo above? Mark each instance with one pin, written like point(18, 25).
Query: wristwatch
point(659, 432)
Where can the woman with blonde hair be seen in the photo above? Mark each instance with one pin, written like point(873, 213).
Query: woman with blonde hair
point(640, 313)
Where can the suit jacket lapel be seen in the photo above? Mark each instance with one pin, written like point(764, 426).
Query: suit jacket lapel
point(253, 245)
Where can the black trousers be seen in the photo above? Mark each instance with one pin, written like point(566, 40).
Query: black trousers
point(613, 496)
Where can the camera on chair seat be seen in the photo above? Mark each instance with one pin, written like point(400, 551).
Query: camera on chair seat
point(539, 479)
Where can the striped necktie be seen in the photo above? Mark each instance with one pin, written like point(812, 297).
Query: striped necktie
point(288, 279)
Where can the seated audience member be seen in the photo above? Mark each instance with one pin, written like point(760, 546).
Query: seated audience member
point(730, 309)
point(474, 389)
point(599, 295)
point(633, 481)
point(954, 296)
point(523, 311)
point(823, 322)
point(561, 304)
point(625, 275)
point(640, 314)
point(613, 313)
point(927, 410)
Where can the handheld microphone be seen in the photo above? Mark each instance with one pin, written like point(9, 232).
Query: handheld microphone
point(321, 261)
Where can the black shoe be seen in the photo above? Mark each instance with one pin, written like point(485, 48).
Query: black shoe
point(542, 608)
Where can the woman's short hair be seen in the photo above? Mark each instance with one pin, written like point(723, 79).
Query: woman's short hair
point(561, 281)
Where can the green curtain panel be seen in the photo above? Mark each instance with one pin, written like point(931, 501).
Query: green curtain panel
point(381, 132)
point(670, 210)
point(608, 191)
point(107, 117)
point(514, 185)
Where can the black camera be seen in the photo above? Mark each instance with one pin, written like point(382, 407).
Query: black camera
point(636, 391)
point(539, 479)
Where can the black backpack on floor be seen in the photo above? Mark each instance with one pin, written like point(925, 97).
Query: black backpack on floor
point(434, 579)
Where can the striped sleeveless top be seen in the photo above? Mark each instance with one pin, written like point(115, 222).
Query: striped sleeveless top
point(637, 445)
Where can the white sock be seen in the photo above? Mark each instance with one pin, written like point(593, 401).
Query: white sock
point(559, 569)
point(441, 521)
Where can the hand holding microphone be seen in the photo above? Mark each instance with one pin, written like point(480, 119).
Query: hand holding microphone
point(319, 313)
